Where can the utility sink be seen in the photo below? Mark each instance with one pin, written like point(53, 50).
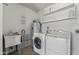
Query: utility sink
point(12, 40)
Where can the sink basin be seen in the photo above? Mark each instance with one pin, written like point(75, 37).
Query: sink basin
point(12, 40)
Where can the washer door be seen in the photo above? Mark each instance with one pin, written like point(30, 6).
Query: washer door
point(37, 42)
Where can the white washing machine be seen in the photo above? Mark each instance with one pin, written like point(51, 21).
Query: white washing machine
point(39, 43)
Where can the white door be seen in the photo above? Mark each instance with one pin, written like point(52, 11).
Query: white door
point(1, 29)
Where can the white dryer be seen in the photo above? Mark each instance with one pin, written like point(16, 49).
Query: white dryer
point(39, 43)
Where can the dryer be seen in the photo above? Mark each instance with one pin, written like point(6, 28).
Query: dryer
point(39, 43)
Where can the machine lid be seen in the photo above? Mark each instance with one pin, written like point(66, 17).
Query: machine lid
point(37, 42)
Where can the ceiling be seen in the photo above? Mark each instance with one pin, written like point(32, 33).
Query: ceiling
point(36, 6)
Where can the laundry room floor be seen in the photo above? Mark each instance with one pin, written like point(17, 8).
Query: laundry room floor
point(25, 51)
point(28, 51)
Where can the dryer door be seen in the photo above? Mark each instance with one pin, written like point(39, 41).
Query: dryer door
point(37, 42)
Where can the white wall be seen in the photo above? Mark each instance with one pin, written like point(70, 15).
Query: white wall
point(30, 16)
point(13, 15)
point(12, 19)
point(67, 25)
point(1, 50)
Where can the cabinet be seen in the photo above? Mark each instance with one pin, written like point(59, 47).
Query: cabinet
point(55, 46)
point(59, 12)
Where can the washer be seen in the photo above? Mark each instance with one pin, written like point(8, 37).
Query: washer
point(39, 43)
